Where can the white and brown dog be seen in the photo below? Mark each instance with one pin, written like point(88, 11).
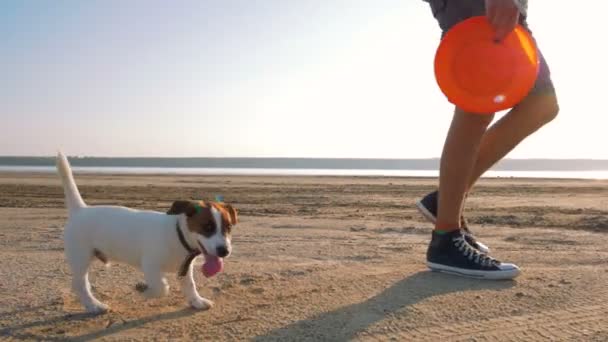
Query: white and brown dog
point(157, 243)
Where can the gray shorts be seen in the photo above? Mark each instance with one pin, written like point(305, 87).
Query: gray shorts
point(450, 12)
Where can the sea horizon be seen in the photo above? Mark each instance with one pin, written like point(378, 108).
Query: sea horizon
point(589, 175)
point(507, 168)
point(509, 164)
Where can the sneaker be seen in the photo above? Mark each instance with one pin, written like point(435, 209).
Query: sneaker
point(450, 253)
point(428, 208)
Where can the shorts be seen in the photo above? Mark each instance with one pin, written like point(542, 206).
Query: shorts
point(450, 12)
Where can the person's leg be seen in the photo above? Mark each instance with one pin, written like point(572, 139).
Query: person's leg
point(530, 115)
point(464, 136)
point(449, 251)
point(457, 165)
point(535, 111)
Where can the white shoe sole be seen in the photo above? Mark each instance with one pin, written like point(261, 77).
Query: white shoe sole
point(507, 274)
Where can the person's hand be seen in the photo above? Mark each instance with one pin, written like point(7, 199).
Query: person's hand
point(503, 15)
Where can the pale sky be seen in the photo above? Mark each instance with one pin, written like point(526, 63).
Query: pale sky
point(267, 78)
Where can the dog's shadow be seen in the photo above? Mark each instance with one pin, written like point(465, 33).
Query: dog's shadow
point(344, 323)
point(134, 324)
point(16, 331)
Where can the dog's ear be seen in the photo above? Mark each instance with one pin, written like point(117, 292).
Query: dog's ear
point(234, 219)
point(182, 207)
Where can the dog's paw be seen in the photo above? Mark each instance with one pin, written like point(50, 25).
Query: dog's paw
point(200, 303)
point(97, 308)
point(141, 287)
point(151, 292)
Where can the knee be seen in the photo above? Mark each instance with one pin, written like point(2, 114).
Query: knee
point(547, 111)
point(537, 111)
point(551, 111)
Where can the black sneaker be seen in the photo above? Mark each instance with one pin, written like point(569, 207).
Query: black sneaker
point(450, 253)
point(428, 208)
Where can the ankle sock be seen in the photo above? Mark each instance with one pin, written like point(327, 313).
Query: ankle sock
point(443, 228)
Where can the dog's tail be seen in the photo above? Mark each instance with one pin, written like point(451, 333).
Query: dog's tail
point(73, 200)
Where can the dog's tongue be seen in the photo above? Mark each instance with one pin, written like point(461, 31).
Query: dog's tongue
point(212, 266)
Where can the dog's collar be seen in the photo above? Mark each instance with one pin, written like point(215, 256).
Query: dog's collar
point(192, 253)
point(183, 241)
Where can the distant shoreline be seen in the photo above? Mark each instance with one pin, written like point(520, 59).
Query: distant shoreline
point(303, 163)
point(303, 172)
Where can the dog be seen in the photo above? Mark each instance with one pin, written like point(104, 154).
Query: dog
point(156, 243)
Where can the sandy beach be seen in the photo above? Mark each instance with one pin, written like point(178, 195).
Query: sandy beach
point(319, 259)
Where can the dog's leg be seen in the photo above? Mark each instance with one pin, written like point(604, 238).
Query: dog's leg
point(191, 294)
point(79, 260)
point(155, 283)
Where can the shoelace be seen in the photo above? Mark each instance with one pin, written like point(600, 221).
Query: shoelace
point(464, 226)
point(473, 254)
point(469, 236)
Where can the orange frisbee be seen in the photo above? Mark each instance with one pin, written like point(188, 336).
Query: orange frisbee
point(482, 76)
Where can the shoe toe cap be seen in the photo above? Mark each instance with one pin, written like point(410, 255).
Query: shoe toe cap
point(509, 267)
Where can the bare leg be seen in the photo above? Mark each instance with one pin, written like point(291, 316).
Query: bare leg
point(457, 165)
point(530, 115)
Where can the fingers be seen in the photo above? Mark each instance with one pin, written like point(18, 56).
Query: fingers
point(504, 24)
point(503, 15)
point(491, 11)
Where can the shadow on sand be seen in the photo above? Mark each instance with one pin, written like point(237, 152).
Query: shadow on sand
point(16, 331)
point(344, 323)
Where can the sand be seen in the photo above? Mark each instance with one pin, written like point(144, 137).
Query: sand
point(319, 259)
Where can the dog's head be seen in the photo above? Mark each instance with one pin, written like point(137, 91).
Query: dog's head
point(210, 223)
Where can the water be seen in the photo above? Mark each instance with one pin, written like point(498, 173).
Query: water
point(304, 172)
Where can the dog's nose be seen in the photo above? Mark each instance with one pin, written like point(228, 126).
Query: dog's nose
point(222, 251)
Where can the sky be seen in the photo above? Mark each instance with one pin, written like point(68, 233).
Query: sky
point(266, 78)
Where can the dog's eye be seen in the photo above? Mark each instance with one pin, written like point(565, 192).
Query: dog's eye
point(208, 228)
